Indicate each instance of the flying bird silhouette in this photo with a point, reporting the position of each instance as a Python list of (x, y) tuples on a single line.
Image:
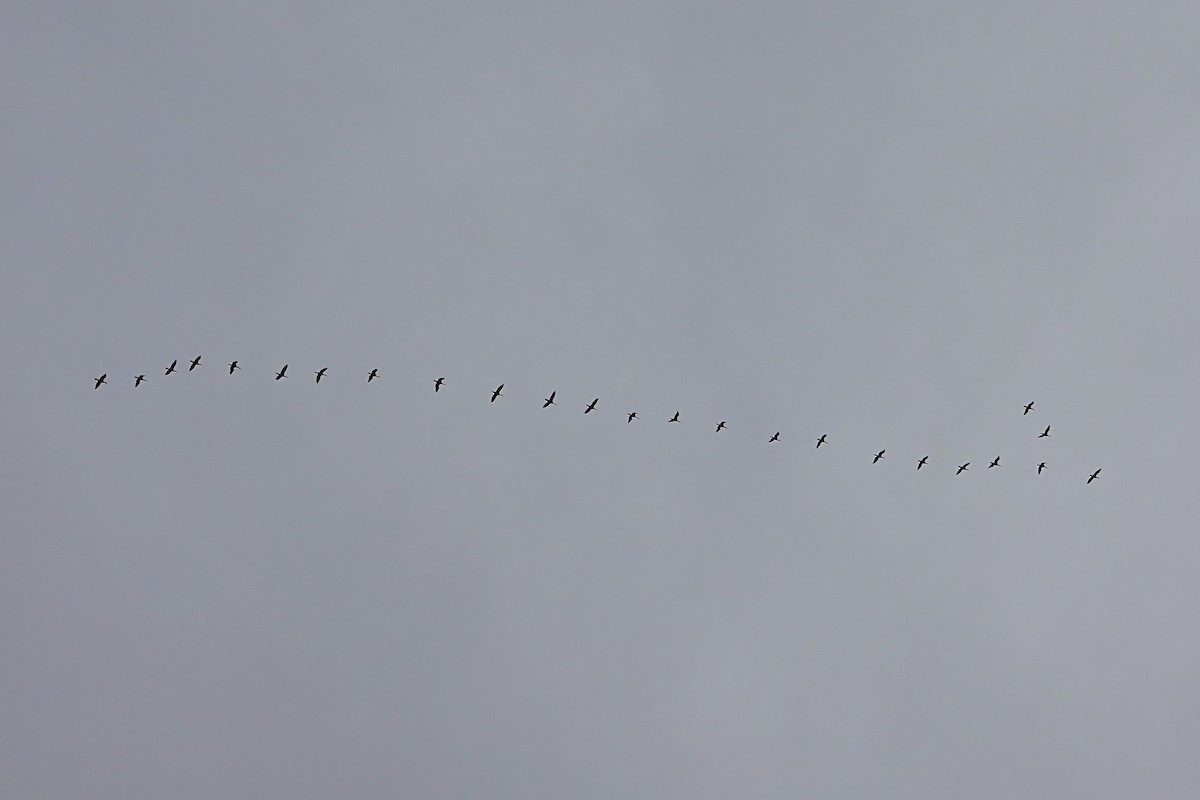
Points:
[(878, 456), (550, 400), (774, 438), (995, 462), (962, 468), (821, 441), (437, 385), (720, 425), (1028, 408), (282, 373), (195, 363), (1095, 475), (137, 381), (101, 380), (1041, 467), (171, 368), (921, 463), (496, 393), (591, 406), (1044, 434), (373, 374), (674, 418), (632, 417), (320, 373), (232, 366)]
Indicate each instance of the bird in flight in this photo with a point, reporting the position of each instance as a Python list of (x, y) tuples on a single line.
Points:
[(962, 468), (373, 374), (1044, 434), (195, 363), (921, 463), (1041, 467), (232, 366), (674, 418), (138, 380), (437, 385), (282, 373), (995, 462), (550, 400), (171, 368), (496, 393), (878, 456), (320, 373), (720, 425), (101, 381), (821, 441), (632, 417), (1028, 408), (774, 438), (1095, 475), (591, 406)]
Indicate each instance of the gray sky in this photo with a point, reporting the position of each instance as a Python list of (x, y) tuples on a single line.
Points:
[(892, 225)]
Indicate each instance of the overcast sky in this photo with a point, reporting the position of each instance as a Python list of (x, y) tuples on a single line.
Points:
[(895, 224)]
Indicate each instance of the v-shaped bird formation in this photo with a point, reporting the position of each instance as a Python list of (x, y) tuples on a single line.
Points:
[(630, 416)]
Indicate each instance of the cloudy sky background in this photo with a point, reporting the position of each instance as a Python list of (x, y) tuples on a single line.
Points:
[(892, 225)]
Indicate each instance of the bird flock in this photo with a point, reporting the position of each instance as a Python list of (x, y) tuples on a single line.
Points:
[(498, 392)]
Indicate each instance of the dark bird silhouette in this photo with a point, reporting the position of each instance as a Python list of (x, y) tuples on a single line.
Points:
[(496, 393), (101, 380), (195, 363), (774, 438), (550, 400), (878, 456), (591, 406), (674, 418), (137, 381), (1041, 467), (437, 385), (1044, 434), (1095, 475), (963, 468), (320, 373), (821, 441), (171, 368), (921, 463), (1028, 408), (373, 374), (632, 417), (720, 425), (282, 373), (232, 366), (995, 462)]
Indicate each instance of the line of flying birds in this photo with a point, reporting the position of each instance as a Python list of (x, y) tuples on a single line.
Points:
[(138, 380)]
